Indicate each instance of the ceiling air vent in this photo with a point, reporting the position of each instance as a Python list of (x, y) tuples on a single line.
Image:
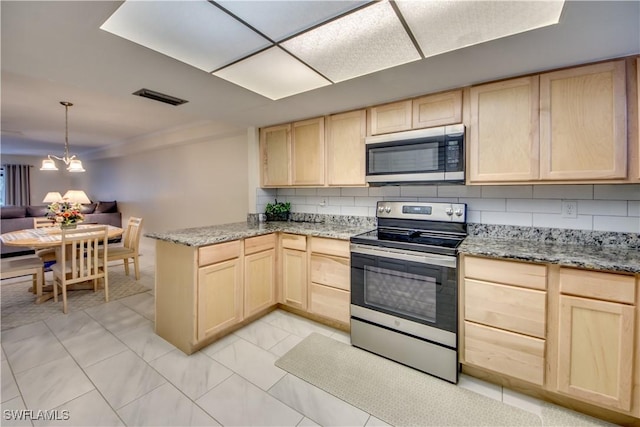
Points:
[(157, 96)]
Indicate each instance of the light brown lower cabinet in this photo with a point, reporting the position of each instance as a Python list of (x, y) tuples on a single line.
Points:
[(203, 293), (219, 297), (330, 279), (595, 338), (293, 278), (505, 318), (574, 339), (259, 281)]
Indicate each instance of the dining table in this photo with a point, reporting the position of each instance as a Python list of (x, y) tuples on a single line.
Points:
[(50, 237)]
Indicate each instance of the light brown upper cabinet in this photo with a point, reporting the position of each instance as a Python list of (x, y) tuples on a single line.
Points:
[(275, 148), (302, 154), (583, 123), (503, 139), (345, 148), (389, 118), (564, 126), (437, 110), (307, 152), (427, 111)]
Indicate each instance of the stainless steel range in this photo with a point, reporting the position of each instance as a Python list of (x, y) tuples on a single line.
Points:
[(404, 285)]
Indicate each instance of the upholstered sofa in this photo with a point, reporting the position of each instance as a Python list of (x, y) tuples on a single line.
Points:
[(14, 218)]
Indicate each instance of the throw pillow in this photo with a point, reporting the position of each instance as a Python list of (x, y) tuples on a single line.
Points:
[(107, 207), (37, 211), (88, 208)]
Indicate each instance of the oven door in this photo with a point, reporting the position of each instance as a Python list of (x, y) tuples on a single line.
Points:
[(389, 283)]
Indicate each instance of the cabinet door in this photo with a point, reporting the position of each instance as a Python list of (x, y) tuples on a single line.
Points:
[(595, 351), (219, 297), (275, 156), (294, 278), (345, 148), (307, 152), (388, 118), (259, 281), (583, 124), (503, 139), (437, 110)]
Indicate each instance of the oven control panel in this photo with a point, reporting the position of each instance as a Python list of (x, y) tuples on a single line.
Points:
[(453, 212)]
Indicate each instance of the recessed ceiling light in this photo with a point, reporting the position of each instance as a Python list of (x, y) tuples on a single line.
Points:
[(273, 73), (280, 19), (367, 40), (443, 26), (195, 32)]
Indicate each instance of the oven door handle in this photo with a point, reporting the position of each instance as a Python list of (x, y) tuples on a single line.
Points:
[(418, 257)]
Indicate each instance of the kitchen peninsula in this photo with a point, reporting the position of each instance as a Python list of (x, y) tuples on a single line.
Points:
[(212, 280)]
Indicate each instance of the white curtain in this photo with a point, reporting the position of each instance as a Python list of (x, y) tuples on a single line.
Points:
[(17, 185)]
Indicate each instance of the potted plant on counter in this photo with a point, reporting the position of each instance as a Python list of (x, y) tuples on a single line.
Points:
[(278, 211)]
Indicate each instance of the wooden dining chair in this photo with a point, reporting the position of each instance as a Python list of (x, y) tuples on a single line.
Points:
[(129, 249), (24, 266), (47, 255), (78, 260)]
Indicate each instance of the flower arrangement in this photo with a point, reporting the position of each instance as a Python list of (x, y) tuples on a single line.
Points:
[(65, 213)]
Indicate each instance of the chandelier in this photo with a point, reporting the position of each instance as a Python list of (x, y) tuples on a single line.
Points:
[(73, 164)]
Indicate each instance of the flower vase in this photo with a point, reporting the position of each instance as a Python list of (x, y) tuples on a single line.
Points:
[(69, 226)]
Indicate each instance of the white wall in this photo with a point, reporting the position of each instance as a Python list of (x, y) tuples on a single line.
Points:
[(600, 207), (44, 181), (179, 186)]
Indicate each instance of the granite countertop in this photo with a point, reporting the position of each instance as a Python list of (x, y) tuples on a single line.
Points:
[(610, 258), (203, 236)]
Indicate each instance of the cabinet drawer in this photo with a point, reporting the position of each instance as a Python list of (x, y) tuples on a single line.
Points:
[(512, 354), (329, 302), (294, 241), (598, 285), (331, 271), (220, 252), (259, 243), (515, 273), (506, 307), (330, 247)]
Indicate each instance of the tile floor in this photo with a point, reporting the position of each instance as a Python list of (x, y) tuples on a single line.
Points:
[(104, 366)]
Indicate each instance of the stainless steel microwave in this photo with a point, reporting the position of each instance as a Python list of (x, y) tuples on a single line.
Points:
[(416, 156)]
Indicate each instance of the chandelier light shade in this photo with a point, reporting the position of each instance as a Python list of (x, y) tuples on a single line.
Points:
[(52, 197), (73, 164), (77, 196)]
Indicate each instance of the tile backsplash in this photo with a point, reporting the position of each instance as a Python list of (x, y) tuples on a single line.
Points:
[(599, 207)]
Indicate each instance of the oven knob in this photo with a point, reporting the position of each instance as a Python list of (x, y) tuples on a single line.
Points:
[(387, 209), (380, 209), (459, 212), (449, 211)]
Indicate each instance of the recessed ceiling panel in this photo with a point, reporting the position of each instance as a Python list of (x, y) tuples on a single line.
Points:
[(365, 41), (445, 25), (281, 19), (195, 32), (273, 73)]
